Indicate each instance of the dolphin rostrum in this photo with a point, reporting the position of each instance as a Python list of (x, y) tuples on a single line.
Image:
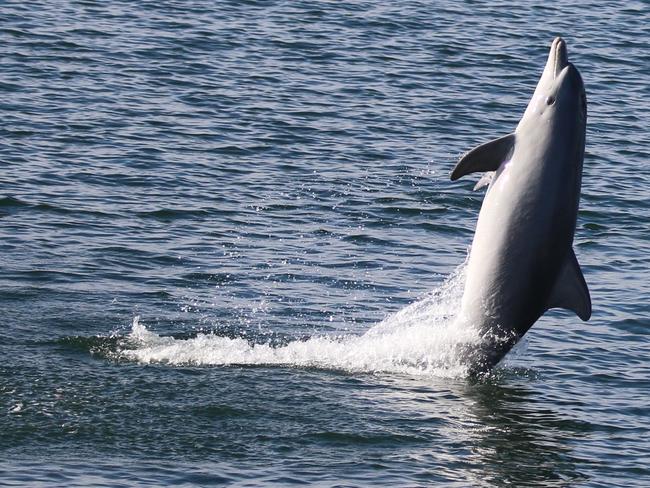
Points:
[(521, 262)]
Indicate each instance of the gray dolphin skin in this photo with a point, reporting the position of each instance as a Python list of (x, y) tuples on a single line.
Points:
[(521, 262)]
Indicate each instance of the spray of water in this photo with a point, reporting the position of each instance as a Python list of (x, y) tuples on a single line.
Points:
[(422, 339)]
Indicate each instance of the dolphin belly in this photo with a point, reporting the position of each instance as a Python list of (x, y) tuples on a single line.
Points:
[(514, 263)]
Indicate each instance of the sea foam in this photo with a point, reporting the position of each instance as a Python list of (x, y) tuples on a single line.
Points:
[(424, 338)]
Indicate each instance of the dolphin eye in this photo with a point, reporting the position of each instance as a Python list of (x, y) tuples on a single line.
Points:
[(550, 100)]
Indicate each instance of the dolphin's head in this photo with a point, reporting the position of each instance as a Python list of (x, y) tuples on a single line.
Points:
[(560, 95)]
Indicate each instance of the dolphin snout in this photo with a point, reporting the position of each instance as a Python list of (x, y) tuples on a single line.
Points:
[(558, 58)]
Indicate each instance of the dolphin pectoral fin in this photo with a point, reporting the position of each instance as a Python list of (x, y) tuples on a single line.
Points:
[(486, 157), (570, 291), (485, 180)]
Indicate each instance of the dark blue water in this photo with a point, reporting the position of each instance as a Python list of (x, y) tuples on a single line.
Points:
[(210, 214)]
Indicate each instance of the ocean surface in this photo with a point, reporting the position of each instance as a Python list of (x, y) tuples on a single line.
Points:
[(231, 253)]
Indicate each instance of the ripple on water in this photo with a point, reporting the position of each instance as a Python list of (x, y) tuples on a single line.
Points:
[(276, 175)]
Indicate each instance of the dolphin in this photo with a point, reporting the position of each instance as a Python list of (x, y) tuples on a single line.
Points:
[(521, 262)]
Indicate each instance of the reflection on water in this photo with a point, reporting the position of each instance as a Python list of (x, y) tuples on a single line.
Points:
[(496, 432), (522, 441)]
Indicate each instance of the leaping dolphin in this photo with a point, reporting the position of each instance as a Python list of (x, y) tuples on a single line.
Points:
[(521, 262)]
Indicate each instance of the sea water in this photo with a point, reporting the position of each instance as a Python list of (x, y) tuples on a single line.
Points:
[(232, 255)]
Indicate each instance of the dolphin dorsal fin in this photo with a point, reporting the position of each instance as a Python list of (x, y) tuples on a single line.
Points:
[(570, 291), (486, 157)]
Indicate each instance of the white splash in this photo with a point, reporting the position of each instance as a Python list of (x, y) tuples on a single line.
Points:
[(422, 339)]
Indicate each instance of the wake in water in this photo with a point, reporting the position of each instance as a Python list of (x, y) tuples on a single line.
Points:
[(422, 339)]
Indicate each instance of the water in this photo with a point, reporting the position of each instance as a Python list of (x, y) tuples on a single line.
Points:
[(231, 253)]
